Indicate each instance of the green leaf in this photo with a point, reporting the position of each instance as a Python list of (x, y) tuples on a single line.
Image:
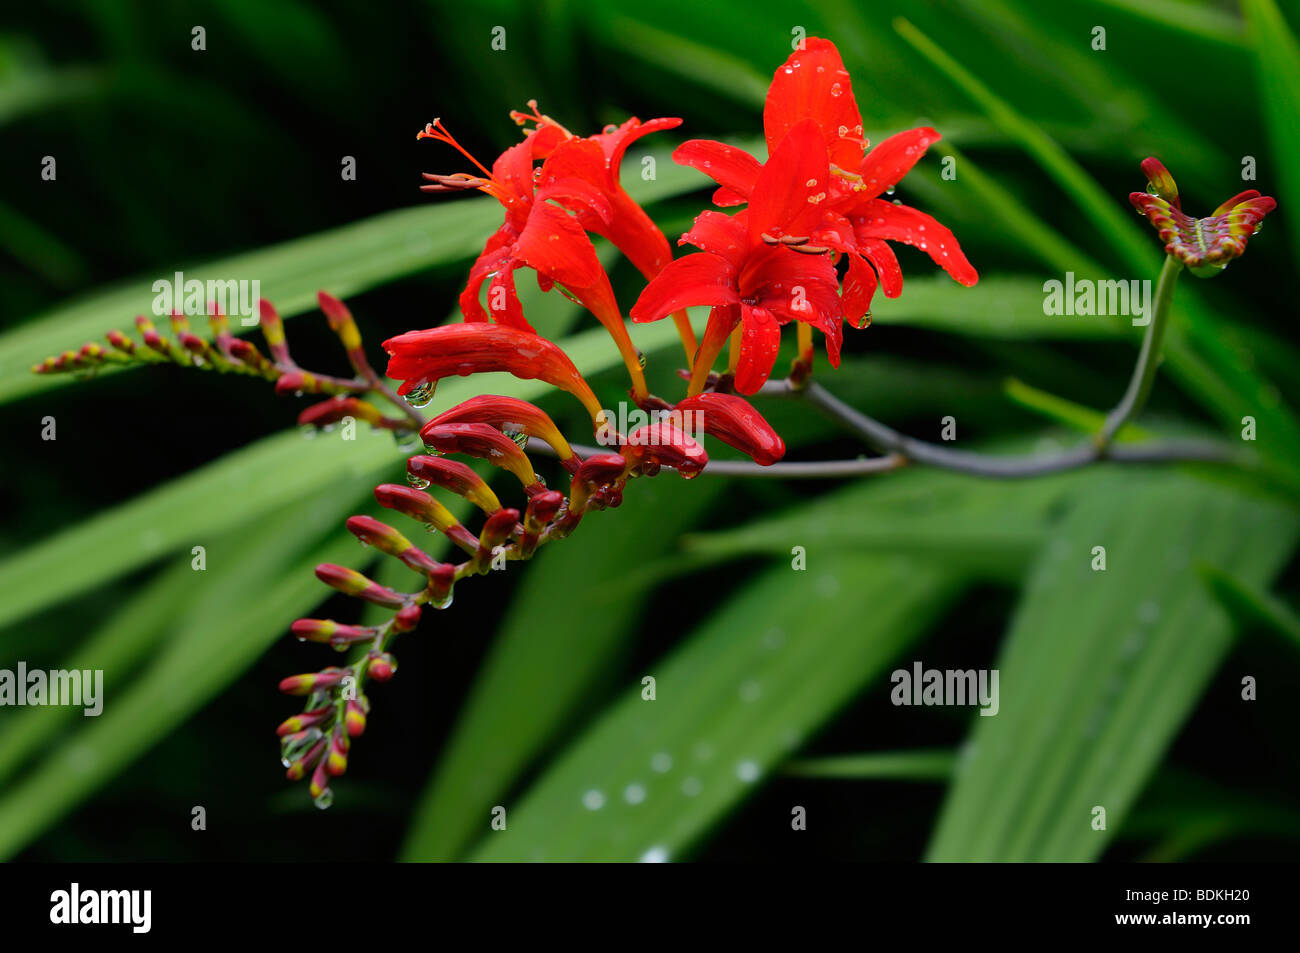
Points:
[(1277, 56), (547, 659), (651, 778), (935, 764), (1101, 668), (1251, 606), (986, 528)]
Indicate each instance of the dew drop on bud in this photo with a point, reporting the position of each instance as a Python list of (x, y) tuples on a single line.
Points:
[(422, 394), (418, 482), (519, 437), (889, 191), (324, 799)]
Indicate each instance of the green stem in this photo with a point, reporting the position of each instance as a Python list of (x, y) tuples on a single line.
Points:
[(1144, 373)]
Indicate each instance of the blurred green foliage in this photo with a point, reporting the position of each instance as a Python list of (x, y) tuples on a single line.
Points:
[(1120, 688)]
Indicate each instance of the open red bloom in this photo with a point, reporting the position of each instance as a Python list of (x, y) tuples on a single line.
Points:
[(813, 85), (753, 269), (549, 211)]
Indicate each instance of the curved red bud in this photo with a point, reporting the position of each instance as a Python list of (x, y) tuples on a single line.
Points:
[(336, 408), (353, 583), (305, 684), (421, 506), (425, 357), (735, 422), (509, 415), (482, 441), (454, 476), (662, 444), (598, 471), (384, 538)]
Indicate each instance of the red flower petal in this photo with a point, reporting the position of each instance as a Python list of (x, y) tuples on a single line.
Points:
[(884, 260), (794, 182), (884, 166), (859, 287), (721, 235), (699, 279), (760, 339), (813, 84), (733, 169), (899, 223)]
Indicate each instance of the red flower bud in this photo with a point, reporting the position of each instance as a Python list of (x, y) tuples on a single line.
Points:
[(303, 721), (382, 666), (421, 506), (510, 415), (407, 619), (353, 583), (455, 476), (440, 585), (388, 540), (661, 444), (336, 408), (483, 441), (355, 717), (329, 632), (305, 684), (735, 422), (424, 357)]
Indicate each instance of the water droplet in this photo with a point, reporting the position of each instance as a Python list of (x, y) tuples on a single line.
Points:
[(324, 799), (593, 800), (836, 90), (408, 441), (747, 771), (520, 438), (657, 855), (691, 787), (661, 763), (421, 394), (634, 794), (610, 129), (432, 450), (419, 482), (889, 191), (285, 761)]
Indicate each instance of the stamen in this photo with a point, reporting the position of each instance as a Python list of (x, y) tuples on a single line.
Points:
[(541, 119), (437, 131)]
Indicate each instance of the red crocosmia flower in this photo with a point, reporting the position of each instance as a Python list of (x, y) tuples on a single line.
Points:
[(735, 422), (511, 182), (1204, 245), (813, 85), (753, 268), (595, 160), (421, 358), (581, 177)]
